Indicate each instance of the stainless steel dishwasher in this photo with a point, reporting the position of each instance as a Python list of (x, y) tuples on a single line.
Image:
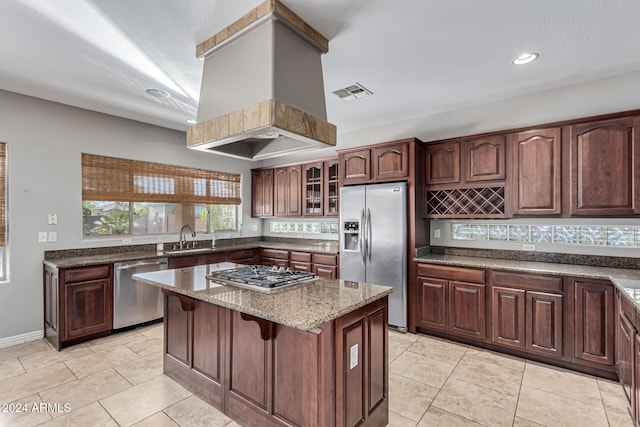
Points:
[(135, 302)]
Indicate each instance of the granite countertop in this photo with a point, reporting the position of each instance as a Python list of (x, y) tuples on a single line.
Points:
[(81, 261), (627, 280), (304, 306)]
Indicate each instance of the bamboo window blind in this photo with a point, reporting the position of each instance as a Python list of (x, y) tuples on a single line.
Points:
[(120, 180), (3, 193)]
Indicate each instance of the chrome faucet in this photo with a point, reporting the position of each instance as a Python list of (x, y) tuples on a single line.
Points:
[(183, 241)]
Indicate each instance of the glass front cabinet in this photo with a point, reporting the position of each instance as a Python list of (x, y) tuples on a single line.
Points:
[(313, 197)]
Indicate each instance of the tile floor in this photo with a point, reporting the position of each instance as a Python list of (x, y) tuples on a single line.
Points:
[(117, 380)]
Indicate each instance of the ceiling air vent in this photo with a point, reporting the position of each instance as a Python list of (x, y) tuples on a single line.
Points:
[(352, 92)]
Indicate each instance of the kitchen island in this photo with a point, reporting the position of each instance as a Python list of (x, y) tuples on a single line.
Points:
[(312, 354)]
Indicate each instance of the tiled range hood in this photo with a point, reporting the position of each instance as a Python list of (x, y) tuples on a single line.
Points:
[(262, 92)]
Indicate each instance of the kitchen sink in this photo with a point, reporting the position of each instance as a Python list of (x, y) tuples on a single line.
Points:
[(186, 251)]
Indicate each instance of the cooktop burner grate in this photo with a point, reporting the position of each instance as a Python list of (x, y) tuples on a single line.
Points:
[(261, 277)]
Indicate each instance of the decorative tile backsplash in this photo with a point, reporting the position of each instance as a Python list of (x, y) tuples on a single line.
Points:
[(584, 235), (303, 227)]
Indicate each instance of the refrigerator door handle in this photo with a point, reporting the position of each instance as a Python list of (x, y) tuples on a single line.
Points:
[(369, 234), (362, 240)]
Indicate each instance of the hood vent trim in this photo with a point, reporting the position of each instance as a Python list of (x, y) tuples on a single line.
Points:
[(256, 112)]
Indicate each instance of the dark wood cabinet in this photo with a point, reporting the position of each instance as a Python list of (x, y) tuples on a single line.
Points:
[(527, 312), (448, 302), (325, 265), (355, 166), (183, 261), (625, 349), (605, 167), (244, 256), (384, 162), (484, 159), (263, 373), (312, 187), (331, 187), (390, 162), (594, 320), (300, 261), (287, 191), (78, 303), (277, 257), (536, 161), (262, 193), (442, 163)]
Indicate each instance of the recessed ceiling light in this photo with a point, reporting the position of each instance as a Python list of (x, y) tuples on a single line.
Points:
[(158, 93), (525, 58), (191, 121)]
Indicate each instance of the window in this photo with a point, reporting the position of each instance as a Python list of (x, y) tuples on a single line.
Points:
[(3, 211), (126, 197)]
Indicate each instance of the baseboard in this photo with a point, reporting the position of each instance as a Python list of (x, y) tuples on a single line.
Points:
[(19, 339)]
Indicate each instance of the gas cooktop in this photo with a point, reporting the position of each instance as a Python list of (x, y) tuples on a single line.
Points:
[(260, 278)]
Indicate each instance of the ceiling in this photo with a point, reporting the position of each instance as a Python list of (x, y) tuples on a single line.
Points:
[(418, 57)]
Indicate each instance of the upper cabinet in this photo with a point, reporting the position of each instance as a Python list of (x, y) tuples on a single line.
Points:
[(331, 188), (443, 163), (536, 173), (287, 191), (484, 159), (262, 192), (377, 163), (308, 189), (605, 167)]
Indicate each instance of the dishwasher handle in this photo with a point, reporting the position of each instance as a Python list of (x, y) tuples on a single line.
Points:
[(140, 264)]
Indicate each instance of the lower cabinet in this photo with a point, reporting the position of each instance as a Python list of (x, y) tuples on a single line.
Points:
[(78, 304), (275, 257), (262, 373), (594, 320), (453, 306), (527, 312), (628, 352), (325, 265)]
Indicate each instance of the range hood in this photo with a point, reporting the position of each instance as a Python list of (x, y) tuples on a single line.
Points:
[(262, 93)]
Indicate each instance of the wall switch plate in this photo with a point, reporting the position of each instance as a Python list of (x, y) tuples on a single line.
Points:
[(127, 241), (528, 247), (436, 233), (42, 237), (52, 219), (53, 236), (353, 356)]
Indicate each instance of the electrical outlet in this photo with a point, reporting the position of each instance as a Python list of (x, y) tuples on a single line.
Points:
[(528, 247), (42, 237), (436, 233), (52, 219), (127, 241)]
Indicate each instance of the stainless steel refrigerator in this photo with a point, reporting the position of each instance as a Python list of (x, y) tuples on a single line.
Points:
[(373, 241)]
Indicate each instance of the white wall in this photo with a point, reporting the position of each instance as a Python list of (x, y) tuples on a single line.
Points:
[(45, 140)]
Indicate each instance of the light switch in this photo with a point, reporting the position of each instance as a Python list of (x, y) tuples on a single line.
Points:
[(436, 233), (52, 219), (53, 236), (353, 356), (42, 237)]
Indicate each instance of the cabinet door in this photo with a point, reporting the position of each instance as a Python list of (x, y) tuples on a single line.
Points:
[(280, 192), (262, 193), (624, 353), (605, 174), (331, 188), (432, 303), (390, 162), (183, 261), (536, 171), (467, 309), (594, 322), (484, 159), (88, 307), (326, 271), (544, 323), (300, 266), (508, 316), (442, 163), (294, 196), (355, 166), (635, 398), (312, 188)]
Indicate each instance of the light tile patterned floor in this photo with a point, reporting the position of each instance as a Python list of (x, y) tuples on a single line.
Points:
[(117, 380)]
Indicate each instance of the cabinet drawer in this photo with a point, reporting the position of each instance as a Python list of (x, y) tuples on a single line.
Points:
[(84, 274), (300, 266), (275, 253), (325, 259), (528, 281), (212, 258), (300, 256), (451, 273)]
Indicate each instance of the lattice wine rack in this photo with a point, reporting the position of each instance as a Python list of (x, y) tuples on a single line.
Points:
[(488, 202)]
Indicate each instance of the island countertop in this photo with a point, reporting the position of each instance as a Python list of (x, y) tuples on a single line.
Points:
[(304, 306)]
